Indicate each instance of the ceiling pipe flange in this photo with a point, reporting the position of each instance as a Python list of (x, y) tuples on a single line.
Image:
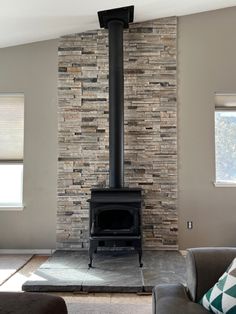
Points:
[(124, 14)]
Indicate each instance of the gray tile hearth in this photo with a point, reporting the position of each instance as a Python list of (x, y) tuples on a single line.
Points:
[(111, 272)]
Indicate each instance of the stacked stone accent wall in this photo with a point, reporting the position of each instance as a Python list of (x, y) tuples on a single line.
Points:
[(150, 129)]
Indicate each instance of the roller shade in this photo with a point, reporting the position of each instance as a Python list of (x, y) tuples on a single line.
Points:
[(11, 127), (225, 101)]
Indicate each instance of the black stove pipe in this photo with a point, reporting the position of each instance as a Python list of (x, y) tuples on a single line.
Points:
[(115, 20), (116, 104)]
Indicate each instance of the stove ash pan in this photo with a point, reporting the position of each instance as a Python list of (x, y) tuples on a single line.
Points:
[(115, 218)]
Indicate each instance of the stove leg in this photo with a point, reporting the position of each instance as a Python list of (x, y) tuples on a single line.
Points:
[(138, 248), (140, 257), (93, 244), (90, 257), (91, 251)]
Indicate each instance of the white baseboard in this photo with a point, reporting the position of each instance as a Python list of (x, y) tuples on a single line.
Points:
[(28, 251)]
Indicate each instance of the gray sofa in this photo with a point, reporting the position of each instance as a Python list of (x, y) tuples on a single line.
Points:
[(204, 267), (31, 303)]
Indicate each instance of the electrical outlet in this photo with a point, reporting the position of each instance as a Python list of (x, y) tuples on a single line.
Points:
[(189, 224)]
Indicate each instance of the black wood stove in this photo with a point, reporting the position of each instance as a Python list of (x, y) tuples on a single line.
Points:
[(115, 212), (115, 219)]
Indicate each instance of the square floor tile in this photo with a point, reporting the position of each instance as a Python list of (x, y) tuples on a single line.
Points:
[(113, 280), (56, 280), (67, 259)]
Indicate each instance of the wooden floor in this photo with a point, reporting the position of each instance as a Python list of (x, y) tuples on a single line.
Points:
[(14, 283)]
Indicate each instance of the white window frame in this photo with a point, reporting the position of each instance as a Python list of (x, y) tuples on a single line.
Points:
[(14, 206), (223, 102)]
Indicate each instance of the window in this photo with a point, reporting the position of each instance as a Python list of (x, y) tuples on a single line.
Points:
[(225, 139), (11, 150)]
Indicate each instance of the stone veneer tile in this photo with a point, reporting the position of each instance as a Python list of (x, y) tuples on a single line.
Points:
[(150, 128)]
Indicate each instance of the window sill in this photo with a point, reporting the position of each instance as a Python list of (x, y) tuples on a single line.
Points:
[(12, 208), (224, 184)]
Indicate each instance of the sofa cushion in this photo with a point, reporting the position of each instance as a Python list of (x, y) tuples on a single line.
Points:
[(221, 298)]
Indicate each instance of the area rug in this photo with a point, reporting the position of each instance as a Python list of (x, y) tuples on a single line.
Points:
[(10, 264), (111, 272), (98, 308)]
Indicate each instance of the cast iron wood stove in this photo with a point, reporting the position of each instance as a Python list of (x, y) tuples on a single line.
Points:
[(115, 219), (115, 212)]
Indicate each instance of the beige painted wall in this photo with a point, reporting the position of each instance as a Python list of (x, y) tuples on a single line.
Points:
[(207, 63), (32, 69)]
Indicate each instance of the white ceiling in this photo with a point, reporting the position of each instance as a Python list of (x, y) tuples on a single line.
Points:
[(25, 21)]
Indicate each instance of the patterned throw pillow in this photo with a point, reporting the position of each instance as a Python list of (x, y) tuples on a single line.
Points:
[(221, 298)]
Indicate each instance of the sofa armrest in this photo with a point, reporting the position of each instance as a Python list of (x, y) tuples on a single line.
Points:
[(31, 302), (173, 299), (205, 266)]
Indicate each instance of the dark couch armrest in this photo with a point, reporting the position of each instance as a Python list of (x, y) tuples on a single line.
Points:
[(173, 299), (31, 302), (205, 266)]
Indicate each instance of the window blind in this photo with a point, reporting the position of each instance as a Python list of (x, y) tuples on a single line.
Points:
[(225, 101), (11, 127)]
